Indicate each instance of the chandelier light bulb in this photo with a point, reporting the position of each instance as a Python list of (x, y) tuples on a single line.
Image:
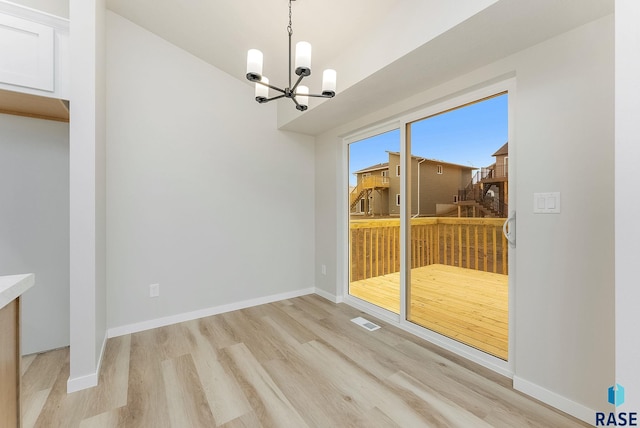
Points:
[(303, 58), (254, 64), (329, 77)]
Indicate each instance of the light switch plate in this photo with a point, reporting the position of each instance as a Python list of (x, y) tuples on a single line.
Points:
[(546, 203), (154, 290)]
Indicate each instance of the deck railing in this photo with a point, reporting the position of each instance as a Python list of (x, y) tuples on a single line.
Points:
[(473, 243)]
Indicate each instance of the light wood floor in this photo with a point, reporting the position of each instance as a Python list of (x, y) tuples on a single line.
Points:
[(467, 305), (295, 363)]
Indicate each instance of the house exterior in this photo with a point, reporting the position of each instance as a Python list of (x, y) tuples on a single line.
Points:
[(501, 165), (371, 193), (488, 193), (434, 187), (434, 184), (497, 181)]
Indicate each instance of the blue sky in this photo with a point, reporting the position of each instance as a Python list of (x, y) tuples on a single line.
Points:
[(466, 136)]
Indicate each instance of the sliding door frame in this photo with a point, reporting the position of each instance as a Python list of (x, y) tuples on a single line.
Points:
[(402, 122), (367, 307)]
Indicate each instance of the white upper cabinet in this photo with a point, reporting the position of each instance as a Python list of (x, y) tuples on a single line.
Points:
[(26, 49), (34, 52)]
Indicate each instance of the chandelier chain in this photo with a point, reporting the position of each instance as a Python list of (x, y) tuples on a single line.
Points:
[(290, 26)]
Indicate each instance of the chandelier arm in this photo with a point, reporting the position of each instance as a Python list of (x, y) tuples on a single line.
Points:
[(262, 101), (297, 83), (275, 88), (319, 95)]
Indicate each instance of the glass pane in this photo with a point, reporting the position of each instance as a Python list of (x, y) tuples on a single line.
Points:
[(374, 223), (459, 188)]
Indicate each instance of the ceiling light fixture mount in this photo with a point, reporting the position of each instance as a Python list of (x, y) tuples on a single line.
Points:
[(299, 94)]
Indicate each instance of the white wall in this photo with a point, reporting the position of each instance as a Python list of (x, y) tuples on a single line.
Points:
[(87, 193), (100, 112), (54, 7), (564, 267), (34, 224), (627, 158), (204, 195)]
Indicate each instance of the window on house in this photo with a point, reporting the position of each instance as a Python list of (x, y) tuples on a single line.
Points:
[(385, 173), (455, 199), (397, 170), (398, 199), (439, 169)]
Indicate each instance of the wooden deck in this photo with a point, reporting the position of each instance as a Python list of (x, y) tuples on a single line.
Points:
[(467, 305)]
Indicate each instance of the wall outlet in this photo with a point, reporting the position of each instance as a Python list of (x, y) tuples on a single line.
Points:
[(323, 269), (154, 290)]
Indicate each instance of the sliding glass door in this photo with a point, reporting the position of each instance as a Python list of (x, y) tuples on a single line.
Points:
[(439, 193), (374, 222), (459, 256)]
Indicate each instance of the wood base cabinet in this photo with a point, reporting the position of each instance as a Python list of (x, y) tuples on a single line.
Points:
[(10, 364)]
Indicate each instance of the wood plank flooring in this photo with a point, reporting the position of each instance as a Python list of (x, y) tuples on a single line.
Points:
[(467, 305), (294, 363)]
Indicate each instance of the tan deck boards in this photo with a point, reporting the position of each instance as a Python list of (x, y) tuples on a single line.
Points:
[(294, 363), (467, 305)]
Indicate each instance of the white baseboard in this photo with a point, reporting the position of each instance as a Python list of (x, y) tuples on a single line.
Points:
[(201, 313), (325, 294), (555, 400), (82, 382), (90, 380)]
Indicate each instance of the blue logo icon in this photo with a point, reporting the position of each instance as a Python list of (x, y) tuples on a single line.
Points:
[(616, 395)]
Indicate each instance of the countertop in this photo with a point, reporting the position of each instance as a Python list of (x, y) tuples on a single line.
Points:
[(12, 286)]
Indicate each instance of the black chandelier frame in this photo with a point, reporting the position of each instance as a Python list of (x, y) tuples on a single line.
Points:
[(290, 91)]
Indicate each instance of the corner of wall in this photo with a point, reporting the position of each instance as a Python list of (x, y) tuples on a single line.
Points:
[(551, 398), (90, 380), (329, 296)]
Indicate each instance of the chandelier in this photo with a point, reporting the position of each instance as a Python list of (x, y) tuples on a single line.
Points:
[(299, 94)]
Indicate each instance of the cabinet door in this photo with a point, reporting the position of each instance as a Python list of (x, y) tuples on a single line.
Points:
[(26, 53)]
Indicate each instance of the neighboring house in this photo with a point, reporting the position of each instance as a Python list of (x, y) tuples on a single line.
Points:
[(434, 187), (487, 195), (497, 181), (500, 169), (371, 193)]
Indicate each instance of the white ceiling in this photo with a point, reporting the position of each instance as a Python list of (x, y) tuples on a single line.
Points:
[(221, 32)]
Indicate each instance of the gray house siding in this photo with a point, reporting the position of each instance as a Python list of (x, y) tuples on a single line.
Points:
[(433, 188), (440, 188), (394, 184)]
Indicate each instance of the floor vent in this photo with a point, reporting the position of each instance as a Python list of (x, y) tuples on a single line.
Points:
[(365, 324)]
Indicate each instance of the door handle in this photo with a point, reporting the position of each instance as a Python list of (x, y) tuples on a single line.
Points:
[(508, 230)]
